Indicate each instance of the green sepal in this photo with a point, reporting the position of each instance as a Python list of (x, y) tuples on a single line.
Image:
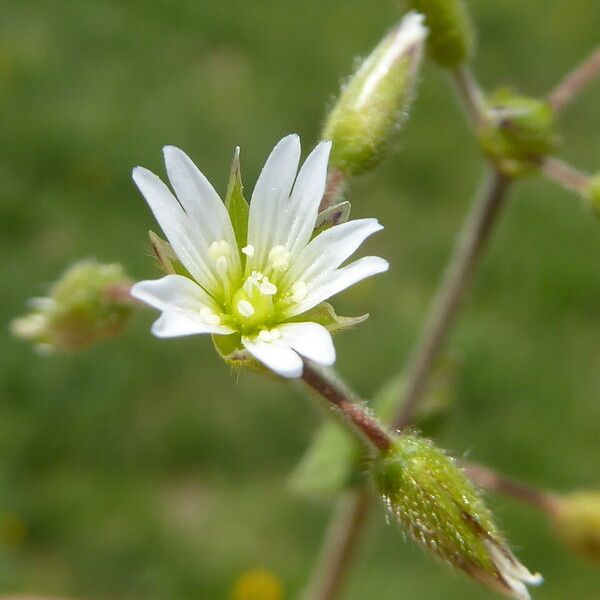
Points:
[(334, 460), (519, 132), (334, 215), (236, 204), (324, 314), (167, 260)]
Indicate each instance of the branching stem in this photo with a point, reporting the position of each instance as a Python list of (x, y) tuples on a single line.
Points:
[(451, 292), (565, 175), (574, 82)]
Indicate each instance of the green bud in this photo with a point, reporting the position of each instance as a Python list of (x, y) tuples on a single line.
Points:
[(593, 193), (577, 521), (89, 303), (451, 37), (432, 499), (371, 106), (519, 132)]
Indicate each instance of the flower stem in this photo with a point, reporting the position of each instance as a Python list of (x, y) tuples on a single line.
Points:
[(565, 175), (470, 95), (349, 405), (574, 82), (491, 480), (451, 291), (341, 537)]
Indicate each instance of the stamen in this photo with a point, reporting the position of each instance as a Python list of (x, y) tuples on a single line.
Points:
[(268, 336), (267, 288), (209, 317), (279, 257), (245, 308), (218, 249), (248, 250), (299, 291)]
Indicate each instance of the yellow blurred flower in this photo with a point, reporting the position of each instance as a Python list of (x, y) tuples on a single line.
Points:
[(257, 585)]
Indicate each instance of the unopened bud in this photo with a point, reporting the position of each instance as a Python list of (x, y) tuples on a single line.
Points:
[(577, 521), (89, 303), (371, 106), (451, 37), (432, 499), (518, 133)]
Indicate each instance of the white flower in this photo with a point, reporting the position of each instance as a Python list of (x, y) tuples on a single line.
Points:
[(256, 292)]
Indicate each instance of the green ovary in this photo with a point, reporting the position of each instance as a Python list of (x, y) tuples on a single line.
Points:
[(251, 307)]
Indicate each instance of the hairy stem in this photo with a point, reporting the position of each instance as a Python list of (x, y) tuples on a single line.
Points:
[(572, 85), (341, 537), (491, 480), (451, 292), (348, 404)]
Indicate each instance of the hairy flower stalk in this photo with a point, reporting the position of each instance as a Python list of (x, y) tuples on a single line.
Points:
[(256, 279), (441, 510)]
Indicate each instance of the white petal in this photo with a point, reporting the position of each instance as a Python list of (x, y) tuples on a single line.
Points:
[(174, 323), (311, 340), (339, 280), (176, 225), (200, 201), (329, 250), (173, 292), (299, 222), (270, 197), (276, 356)]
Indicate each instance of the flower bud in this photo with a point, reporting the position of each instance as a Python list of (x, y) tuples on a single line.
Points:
[(577, 521), (89, 303), (370, 108), (518, 133), (451, 37), (432, 499)]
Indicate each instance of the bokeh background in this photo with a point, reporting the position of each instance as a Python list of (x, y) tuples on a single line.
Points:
[(144, 468)]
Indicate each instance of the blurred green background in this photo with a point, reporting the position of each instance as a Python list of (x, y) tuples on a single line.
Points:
[(144, 468)]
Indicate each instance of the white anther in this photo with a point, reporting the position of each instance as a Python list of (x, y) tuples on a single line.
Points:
[(269, 336), (221, 265), (248, 250), (212, 319), (209, 317), (279, 257), (267, 288), (299, 291), (245, 308), (218, 249)]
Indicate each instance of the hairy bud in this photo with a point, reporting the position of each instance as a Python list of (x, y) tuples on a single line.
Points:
[(371, 106), (577, 520), (451, 37), (432, 499), (89, 303)]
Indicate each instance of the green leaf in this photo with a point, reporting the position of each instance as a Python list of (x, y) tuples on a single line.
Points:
[(328, 465), (236, 204), (325, 315), (334, 215)]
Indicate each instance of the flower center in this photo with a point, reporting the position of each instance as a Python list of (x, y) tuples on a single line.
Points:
[(252, 304)]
